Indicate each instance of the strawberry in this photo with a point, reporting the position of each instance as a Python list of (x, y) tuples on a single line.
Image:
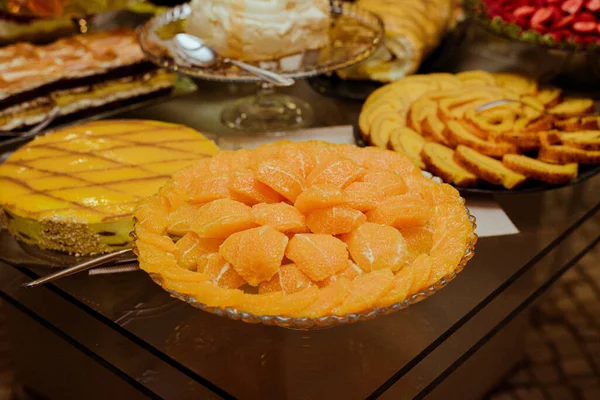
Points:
[(593, 5), (585, 26), (572, 6), (563, 22), (524, 11), (541, 16), (585, 17)]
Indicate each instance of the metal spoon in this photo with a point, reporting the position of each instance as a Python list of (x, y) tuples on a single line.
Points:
[(193, 50), (102, 260)]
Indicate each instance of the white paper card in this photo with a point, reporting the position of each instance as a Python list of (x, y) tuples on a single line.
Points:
[(491, 218), (333, 134)]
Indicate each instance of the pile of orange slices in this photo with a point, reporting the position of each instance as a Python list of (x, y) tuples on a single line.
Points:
[(302, 230)]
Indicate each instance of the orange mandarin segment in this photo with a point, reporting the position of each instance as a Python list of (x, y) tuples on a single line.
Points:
[(208, 293), (422, 267), (334, 220), (220, 272), (213, 188), (365, 291), (451, 235), (152, 214), (162, 242), (329, 297), (374, 247), (318, 256), (198, 171), (434, 193), (221, 218), (281, 177), (363, 196), (419, 240), (173, 194), (339, 172), (226, 161), (289, 280), (281, 216), (301, 159), (272, 285), (244, 187), (191, 247), (400, 289), (180, 220), (350, 273), (256, 253), (151, 254), (378, 159), (286, 305), (319, 196), (403, 211), (388, 182)]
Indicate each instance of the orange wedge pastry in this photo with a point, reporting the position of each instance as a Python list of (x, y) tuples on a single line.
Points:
[(352, 230), (74, 190)]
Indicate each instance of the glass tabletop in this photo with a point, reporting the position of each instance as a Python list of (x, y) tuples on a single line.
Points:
[(166, 348)]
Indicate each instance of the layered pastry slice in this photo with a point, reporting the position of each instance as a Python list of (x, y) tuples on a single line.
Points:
[(74, 190), (82, 73)]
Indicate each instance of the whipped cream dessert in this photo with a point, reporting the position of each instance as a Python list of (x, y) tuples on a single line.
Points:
[(256, 30)]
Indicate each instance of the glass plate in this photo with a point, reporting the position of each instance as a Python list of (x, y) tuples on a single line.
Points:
[(354, 35), (329, 321)]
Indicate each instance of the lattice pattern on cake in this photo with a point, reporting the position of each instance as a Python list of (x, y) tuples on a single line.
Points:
[(98, 171)]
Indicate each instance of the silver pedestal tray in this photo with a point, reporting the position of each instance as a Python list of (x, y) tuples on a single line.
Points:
[(354, 35)]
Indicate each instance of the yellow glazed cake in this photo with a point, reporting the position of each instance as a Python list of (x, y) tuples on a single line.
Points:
[(255, 30), (74, 190)]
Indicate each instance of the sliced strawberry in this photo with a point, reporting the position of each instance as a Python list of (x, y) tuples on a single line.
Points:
[(554, 1), (572, 6), (585, 17), (593, 5), (589, 39), (541, 16), (563, 33), (585, 27), (555, 36), (563, 22), (524, 11)]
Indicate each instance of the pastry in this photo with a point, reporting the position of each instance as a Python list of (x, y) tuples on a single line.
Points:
[(540, 170), (320, 230), (413, 29), (256, 30), (79, 74), (74, 190), (485, 117)]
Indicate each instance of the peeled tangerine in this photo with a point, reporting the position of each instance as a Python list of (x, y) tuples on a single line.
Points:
[(318, 256), (374, 246), (255, 253), (302, 230)]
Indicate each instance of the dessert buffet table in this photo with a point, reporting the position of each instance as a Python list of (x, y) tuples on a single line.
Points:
[(121, 335)]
